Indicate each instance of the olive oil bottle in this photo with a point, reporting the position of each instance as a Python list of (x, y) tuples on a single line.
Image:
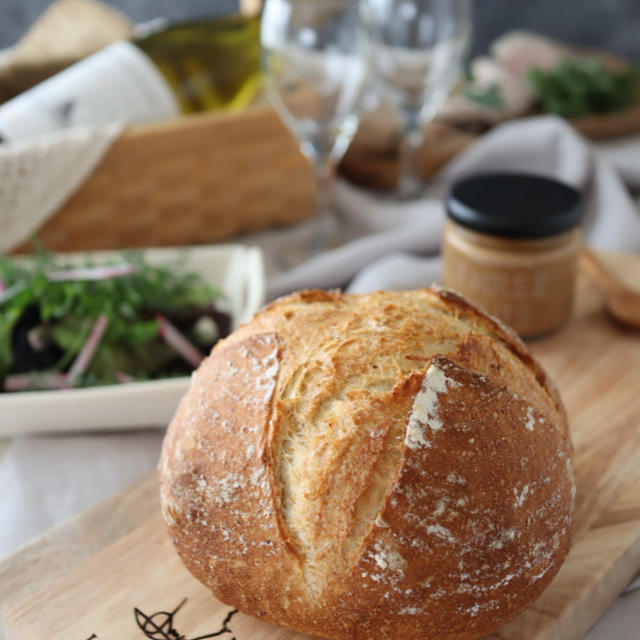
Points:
[(180, 68), (210, 64)]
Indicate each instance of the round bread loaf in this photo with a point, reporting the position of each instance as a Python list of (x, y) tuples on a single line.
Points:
[(392, 465)]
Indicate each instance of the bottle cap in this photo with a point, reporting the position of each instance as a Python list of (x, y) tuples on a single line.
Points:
[(514, 205)]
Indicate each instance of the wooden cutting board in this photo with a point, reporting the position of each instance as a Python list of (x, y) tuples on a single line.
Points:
[(112, 574)]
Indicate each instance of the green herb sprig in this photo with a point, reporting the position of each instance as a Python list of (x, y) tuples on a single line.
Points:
[(584, 86), (490, 97)]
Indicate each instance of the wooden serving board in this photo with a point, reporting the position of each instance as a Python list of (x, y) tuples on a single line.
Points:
[(112, 574)]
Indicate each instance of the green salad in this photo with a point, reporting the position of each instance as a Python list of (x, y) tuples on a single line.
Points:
[(64, 326), (582, 87), (572, 88)]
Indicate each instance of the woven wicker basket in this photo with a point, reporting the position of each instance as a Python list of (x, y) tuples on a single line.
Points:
[(208, 177), (191, 180)]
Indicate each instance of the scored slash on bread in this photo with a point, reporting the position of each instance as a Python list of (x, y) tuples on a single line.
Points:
[(394, 465)]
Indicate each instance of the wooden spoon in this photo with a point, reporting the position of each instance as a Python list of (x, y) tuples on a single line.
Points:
[(622, 302)]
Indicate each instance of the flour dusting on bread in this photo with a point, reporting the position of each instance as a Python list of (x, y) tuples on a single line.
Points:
[(425, 407)]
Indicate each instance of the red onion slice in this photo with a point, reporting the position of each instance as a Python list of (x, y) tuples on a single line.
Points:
[(84, 357), (178, 342), (91, 273)]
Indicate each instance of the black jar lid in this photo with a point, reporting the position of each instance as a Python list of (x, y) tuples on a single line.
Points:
[(514, 205)]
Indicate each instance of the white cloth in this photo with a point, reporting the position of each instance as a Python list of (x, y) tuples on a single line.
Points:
[(385, 245), (37, 176), (373, 226)]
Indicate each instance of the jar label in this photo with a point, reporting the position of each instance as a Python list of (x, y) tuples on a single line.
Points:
[(119, 82)]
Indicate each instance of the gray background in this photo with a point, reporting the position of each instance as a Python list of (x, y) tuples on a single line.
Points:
[(614, 24)]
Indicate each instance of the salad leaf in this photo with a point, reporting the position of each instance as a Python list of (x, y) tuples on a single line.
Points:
[(490, 97), (111, 359), (7, 322), (584, 86), (10, 313)]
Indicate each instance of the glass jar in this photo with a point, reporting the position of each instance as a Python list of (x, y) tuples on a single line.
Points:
[(511, 246)]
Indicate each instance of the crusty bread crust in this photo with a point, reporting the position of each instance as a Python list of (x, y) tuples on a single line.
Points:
[(393, 465)]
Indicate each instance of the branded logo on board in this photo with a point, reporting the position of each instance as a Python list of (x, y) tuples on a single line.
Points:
[(63, 113), (160, 625)]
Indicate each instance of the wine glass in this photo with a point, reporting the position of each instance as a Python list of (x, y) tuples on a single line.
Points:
[(315, 74), (416, 50)]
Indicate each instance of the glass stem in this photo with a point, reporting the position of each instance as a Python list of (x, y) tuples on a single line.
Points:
[(409, 181), (324, 218)]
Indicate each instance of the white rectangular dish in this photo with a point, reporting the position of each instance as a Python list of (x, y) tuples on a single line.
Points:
[(237, 270)]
